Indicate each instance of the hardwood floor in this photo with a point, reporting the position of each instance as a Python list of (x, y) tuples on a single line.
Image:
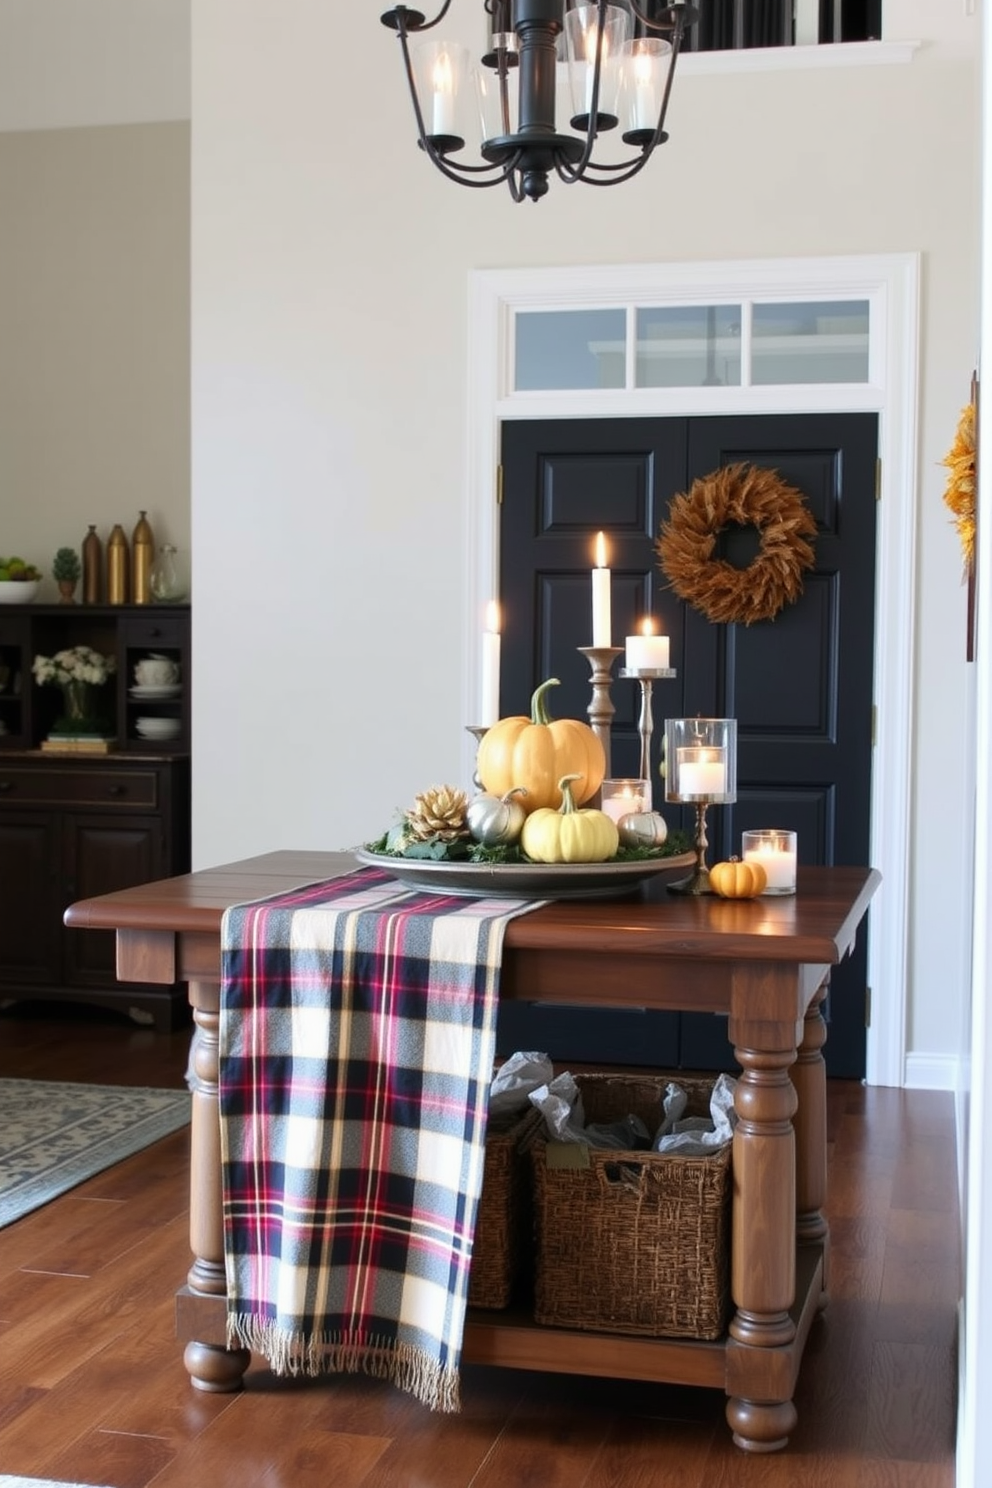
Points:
[(92, 1386)]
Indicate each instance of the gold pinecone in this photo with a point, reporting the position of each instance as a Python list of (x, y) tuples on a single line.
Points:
[(438, 815)]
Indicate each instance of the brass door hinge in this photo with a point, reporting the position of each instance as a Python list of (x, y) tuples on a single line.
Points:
[(499, 485), (874, 725), (878, 480), (867, 1007)]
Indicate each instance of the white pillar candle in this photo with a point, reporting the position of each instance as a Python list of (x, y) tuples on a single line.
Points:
[(647, 652), (779, 866), (489, 710), (602, 623), (701, 772)]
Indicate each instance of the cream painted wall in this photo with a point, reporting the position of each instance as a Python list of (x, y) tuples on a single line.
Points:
[(94, 335), (329, 305)]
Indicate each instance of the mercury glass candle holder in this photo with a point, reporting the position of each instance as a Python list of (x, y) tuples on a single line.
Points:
[(700, 770)]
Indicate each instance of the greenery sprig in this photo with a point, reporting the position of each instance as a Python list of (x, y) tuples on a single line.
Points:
[(392, 844)]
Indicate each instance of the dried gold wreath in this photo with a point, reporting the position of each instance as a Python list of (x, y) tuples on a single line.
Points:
[(959, 496), (749, 497)]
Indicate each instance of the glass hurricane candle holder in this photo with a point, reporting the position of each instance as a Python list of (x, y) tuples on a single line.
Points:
[(775, 850), (700, 766), (701, 760)]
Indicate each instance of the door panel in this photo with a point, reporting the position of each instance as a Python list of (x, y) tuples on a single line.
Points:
[(800, 685)]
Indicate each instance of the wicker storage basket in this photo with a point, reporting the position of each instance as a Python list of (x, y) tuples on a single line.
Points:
[(635, 1242), (504, 1224)]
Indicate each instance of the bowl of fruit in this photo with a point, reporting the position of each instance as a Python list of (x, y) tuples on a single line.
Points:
[(18, 581)]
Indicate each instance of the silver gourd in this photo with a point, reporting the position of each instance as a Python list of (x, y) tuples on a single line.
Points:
[(496, 821)]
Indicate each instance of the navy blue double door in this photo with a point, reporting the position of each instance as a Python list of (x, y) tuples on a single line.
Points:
[(800, 686)]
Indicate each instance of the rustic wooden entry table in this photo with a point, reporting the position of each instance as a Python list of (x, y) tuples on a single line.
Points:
[(765, 963)]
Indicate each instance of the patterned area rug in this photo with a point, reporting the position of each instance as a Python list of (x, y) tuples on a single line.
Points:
[(53, 1136), (6, 1482)]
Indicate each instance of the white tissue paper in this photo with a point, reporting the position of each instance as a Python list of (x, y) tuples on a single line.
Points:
[(514, 1081), (560, 1103), (696, 1136)]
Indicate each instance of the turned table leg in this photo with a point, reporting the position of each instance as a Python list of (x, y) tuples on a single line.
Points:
[(809, 1076), (211, 1365), (763, 1266)]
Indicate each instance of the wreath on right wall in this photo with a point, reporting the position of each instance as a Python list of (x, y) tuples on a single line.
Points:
[(959, 493), (747, 496)]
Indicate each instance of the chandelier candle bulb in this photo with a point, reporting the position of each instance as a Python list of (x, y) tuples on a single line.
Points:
[(602, 622), (646, 652), (443, 117), (490, 666), (775, 851), (645, 96), (619, 798)]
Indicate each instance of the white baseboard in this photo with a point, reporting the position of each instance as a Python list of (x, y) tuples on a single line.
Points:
[(932, 1072)]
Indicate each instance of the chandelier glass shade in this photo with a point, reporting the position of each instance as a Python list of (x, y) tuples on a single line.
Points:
[(620, 63)]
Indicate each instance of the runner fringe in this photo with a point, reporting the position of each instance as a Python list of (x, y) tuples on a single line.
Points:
[(409, 1368)]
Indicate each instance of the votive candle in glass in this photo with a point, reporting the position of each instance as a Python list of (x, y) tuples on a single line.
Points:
[(625, 797), (775, 849)]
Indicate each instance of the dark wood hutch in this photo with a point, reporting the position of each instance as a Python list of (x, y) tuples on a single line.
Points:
[(74, 824)]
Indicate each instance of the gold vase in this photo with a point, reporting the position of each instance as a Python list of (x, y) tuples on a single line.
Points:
[(117, 561), (92, 566), (142, 557)]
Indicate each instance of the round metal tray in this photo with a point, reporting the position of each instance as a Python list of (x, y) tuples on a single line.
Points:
[(528, 880)]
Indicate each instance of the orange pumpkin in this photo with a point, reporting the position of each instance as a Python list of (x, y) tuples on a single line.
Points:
[(737, 880), (536, 752)]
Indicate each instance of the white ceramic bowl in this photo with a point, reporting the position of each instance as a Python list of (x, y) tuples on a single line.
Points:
[(18, 591), (158, 728)]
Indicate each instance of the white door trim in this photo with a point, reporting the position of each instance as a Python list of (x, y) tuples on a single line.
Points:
[(891, 283)]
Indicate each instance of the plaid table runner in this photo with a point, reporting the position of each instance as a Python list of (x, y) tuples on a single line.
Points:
[(357, 1035)]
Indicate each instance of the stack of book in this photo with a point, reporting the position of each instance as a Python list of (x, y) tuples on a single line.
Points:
[(77, 744)]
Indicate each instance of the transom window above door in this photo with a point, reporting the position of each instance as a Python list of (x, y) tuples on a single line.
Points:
[(737, 344)]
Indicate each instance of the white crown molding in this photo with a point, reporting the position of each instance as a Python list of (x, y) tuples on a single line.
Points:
[(799, 58)]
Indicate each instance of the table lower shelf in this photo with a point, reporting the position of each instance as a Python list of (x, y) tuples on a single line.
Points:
[(512, 1340)]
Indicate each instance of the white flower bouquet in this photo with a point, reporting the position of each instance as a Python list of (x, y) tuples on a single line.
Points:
[(77, 664)]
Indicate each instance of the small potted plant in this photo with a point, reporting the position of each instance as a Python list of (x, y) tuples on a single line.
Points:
[(65, 571)]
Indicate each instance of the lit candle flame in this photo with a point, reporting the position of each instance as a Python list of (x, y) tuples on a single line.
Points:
[(601, 550), (492, 617)]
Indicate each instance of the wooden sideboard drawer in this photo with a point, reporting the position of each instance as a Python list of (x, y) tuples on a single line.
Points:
[(153, 633), (78, 786)]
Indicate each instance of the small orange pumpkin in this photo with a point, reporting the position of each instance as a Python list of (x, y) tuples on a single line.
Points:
[(737, 880)]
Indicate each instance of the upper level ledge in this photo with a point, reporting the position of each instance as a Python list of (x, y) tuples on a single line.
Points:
[(789, 58)]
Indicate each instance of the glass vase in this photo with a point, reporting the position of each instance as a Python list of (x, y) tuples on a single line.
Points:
[(165, 582), (77, 705)]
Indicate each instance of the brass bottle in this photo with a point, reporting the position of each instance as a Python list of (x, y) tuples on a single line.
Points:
[(117, 564), (92, 566), (142, 558)]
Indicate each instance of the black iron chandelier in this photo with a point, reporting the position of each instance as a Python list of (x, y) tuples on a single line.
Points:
[(620, 60)]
